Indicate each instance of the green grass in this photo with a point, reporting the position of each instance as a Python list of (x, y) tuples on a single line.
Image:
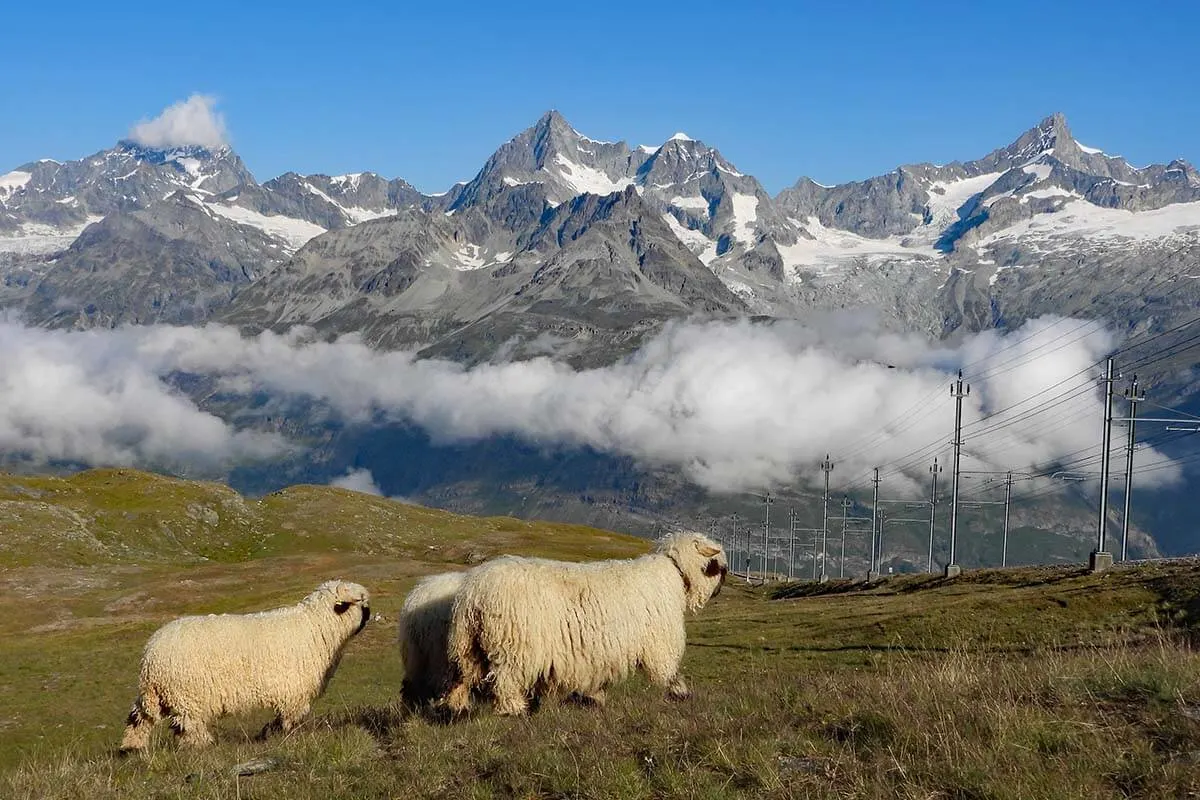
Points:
[(1030, 683)]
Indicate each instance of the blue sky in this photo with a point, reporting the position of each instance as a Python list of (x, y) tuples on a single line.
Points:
[(831, 90)]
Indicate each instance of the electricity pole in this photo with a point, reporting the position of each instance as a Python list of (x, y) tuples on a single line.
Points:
[(791, 540), (1102, 560), (736, 539), (958, 392), (934, 470), (871, 571), (1007, 506), (826, 467), (766, 534), (842, 559), (1132, 395)]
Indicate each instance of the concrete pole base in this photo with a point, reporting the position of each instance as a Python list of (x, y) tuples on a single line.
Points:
[(823, 579), (872, 575), (953, 570), (1099, 561)]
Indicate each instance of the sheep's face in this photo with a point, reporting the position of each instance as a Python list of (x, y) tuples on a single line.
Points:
[(701, 563), (348, 599)]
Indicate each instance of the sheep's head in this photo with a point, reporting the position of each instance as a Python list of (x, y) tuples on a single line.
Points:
[(701, 563), (344, 597)]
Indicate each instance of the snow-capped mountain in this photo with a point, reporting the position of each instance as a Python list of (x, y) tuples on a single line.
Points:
[(927, 247), (175, 230), (59, 195)]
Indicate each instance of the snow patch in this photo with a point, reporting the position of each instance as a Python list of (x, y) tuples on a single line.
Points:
[(14, 181), (681, 137), (1042, 171), (1053, 191), (583, 179), (830, 248), (690, 203), (1080, 219), (694, 240), (190, 165), (739, 288), (649, 149), (291, 233), (356, 214), (1089, 150), (348, 182), (728, 170), (35, 238), (468, 257), (947, 197), (745, 214)]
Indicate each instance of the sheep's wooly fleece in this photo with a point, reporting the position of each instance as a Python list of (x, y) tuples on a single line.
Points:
[(527, 624), (423, 628), (196, 669)]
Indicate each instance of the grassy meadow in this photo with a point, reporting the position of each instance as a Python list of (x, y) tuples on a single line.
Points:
[(1029, 683)]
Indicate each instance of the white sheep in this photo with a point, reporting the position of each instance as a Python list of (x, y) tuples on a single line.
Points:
[(527, 625), (422, 630), (196, 669)]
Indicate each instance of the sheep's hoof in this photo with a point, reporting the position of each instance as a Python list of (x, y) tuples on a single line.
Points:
[(679, 691), (512, 708), (594, 700), (459, 699)]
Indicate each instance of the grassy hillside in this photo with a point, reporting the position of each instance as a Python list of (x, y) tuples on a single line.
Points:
[(117, 516), (1019, 684)]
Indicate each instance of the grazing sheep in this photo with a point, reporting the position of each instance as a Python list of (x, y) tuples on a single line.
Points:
[(423, 628), (196, 669), (525, 625)]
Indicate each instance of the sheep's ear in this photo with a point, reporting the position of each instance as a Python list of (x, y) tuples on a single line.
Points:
[(708, 551), (341, 608), (346, 594)]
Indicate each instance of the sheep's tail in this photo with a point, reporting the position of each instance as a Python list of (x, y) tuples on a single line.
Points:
[(145, 714), (468, 661)]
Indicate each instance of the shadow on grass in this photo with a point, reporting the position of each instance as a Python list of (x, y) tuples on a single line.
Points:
[(1016, 578)]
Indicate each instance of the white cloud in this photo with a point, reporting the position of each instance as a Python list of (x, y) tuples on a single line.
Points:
[(85, 397), (189, 122), (358, 480), (735, 405)]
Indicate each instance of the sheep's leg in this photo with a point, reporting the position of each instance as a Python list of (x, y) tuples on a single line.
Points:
[(458, 700), (597, 698), (140, 724), (287, 719), (469, 672), (665, 672), (510, 694), (290, 718), (677, 689), (191, 732)]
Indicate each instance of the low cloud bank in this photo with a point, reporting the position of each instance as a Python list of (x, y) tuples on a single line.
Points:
[(735, 405)]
